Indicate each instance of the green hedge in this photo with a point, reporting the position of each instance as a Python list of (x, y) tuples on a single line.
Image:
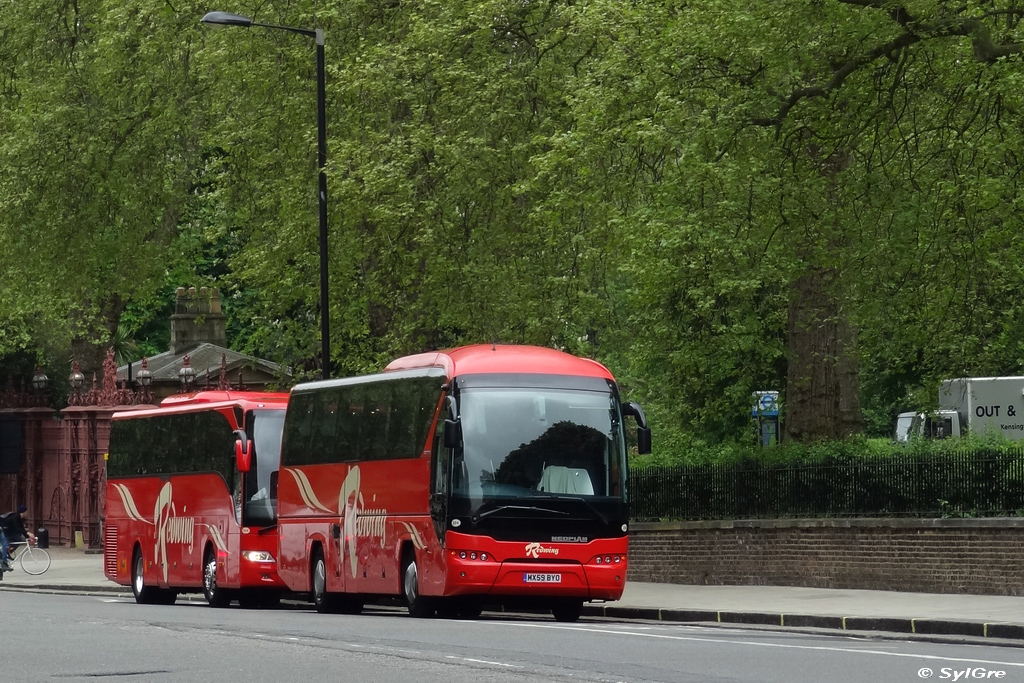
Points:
[(837, 480)]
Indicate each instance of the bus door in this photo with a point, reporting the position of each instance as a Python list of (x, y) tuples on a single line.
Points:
[(440, 471), (257, 493)]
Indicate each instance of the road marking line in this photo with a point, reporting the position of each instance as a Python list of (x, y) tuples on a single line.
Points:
[(484, 661)]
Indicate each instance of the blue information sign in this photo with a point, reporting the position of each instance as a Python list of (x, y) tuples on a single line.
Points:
[(766, 404)]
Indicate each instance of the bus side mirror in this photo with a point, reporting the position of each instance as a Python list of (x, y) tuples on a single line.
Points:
[(643, 432), (643, 440), (452, 433), (243, 451), (452, 425)]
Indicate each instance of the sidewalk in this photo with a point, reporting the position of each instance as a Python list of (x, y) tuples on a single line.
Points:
[(923, 614), (70, 570), (980, 616)]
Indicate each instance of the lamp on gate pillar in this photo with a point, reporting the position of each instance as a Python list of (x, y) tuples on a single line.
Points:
[(39, 382), (77, 381), (229, 19), (145, 380), (187, 375)]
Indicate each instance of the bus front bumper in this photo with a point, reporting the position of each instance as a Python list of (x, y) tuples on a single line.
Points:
[(524, 579)]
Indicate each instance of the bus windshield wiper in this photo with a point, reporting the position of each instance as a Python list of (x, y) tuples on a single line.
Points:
[(579, 499), (531, 508)]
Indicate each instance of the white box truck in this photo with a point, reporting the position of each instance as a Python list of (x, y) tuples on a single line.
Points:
[(986, 406), (983, 406)]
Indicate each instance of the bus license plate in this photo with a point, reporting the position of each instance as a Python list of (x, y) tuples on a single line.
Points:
[(542, 578)]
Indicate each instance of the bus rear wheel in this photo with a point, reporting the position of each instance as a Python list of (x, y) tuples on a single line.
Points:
[(419, 605), (215, 595), (331, 603), (144, 595), (148, 595), (325, 603), (570, 610)]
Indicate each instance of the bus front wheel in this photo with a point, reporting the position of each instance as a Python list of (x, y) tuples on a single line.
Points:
[(419, 605), (215, 595)]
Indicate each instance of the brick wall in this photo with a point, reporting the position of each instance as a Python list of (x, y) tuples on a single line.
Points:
[(982, 556)]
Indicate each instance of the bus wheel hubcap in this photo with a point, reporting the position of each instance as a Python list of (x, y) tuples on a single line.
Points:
[(410, 582), (320, 579)]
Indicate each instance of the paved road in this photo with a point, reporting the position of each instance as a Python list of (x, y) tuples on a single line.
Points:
[(995, 618), (79, 638), (988, 617)]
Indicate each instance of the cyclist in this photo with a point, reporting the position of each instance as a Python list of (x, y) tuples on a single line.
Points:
[(12, 530)]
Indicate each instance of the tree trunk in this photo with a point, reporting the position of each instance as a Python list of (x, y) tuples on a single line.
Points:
[(822, 386)]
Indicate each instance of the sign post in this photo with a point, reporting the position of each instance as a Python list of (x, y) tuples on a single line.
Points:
[(765, 412)]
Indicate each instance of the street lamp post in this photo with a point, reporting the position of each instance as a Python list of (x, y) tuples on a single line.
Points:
[(228, 19)]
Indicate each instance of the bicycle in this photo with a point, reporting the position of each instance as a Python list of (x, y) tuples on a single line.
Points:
[(33, 559)]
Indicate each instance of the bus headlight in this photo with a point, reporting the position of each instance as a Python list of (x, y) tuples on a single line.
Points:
[(258, 556)]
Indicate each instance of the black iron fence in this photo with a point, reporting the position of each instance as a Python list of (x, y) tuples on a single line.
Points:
[(969, 484)]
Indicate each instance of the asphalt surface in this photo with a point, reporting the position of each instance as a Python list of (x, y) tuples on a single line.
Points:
[(989, 617)]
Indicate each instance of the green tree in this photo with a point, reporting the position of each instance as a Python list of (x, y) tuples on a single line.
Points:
[(803, 162), (98, 144)]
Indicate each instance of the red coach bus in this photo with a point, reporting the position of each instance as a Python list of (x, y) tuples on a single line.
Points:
[(480, 475), (188, 500)]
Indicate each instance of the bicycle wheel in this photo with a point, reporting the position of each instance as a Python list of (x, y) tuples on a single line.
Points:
[(34, 561)]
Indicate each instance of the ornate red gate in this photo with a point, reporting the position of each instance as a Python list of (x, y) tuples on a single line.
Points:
[(62, 474)]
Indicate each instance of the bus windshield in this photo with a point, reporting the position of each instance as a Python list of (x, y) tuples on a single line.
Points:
[(537, 443), (260, 508)]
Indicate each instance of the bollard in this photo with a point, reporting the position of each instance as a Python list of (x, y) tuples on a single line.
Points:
[(79, 540)]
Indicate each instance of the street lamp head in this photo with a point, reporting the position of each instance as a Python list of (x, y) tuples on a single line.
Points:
[(40, 380), (187, 375), (145, 377), (77, 379), (226, 19)]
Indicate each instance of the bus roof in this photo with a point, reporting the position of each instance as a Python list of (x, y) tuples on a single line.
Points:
[(240, 397), (502, 358), (207, 400)]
